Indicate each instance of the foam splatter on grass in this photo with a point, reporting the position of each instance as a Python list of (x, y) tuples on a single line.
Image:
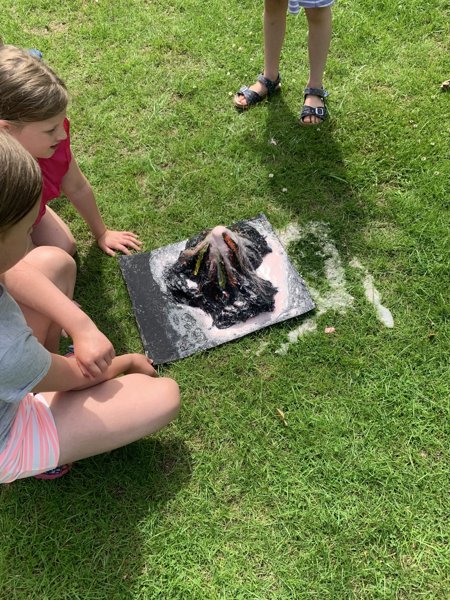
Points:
[(333, 295), (372, 295)]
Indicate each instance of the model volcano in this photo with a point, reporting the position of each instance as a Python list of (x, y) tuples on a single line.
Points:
[(217, 273), (212, 288)]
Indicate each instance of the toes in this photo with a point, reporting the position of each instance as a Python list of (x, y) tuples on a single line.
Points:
[(239, 100), (310, 120)]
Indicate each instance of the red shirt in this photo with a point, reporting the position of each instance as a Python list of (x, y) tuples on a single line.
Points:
[(53, 170)]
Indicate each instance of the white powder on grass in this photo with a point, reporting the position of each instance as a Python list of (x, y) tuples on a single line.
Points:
[(373, 295), (336, 298)]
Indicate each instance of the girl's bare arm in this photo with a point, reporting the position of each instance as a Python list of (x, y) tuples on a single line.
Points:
[(79, 191), (64, 373), (30, 287)]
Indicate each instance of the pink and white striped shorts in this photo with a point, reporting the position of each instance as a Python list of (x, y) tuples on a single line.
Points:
[(33, 445)]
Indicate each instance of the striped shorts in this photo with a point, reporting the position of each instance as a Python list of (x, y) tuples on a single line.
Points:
[(33, 445), (294, 5)]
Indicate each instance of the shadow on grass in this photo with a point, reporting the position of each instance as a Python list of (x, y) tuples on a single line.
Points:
[(82, 536), (307, 177), (307, 162)]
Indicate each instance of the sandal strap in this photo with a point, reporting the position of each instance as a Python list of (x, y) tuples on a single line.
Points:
[(272, 86), (55, 473), (320, 112), (251, 96), (319, 92)]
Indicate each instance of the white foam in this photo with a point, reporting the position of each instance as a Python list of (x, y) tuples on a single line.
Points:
[(261, 348), (291, 233), (356, 264), (373, 295), (336, 298), (306, 327)]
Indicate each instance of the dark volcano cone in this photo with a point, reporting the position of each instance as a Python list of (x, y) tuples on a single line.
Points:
[(216, 272)]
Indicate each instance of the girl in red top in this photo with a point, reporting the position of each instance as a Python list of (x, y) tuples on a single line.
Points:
[(33, 103)]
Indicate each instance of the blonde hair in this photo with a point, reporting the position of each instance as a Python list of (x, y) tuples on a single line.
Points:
[(20, 181), (29, 90)]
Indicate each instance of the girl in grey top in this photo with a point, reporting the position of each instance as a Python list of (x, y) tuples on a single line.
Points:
[(86, 411)]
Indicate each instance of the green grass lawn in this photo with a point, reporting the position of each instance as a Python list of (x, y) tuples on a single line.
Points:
[(351, 498)]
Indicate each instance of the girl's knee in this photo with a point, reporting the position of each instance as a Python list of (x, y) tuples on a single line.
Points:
[(61, 263), (171, 393), (167, 396), (70, 267), (159, 397), (317, 16), (53, 262), (65, 259), (159, 402), (68, 272), (275, 6), (69, 245)]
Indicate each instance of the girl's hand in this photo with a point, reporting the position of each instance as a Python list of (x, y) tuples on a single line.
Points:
[(141, 364), (118, 240), (93, 351)]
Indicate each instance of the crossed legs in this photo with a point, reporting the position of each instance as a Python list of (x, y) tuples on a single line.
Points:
[(112, 414), (106, 416)]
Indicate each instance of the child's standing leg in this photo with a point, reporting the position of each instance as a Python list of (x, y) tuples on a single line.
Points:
[(319, 37), (274, 31)]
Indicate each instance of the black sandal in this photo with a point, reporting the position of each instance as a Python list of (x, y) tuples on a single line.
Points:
[(320, 112), (253, 97)]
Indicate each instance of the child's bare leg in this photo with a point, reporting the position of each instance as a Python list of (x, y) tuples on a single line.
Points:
[(52, 231), (319, 37), (112, 414), (274, 31), (60, 269)]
